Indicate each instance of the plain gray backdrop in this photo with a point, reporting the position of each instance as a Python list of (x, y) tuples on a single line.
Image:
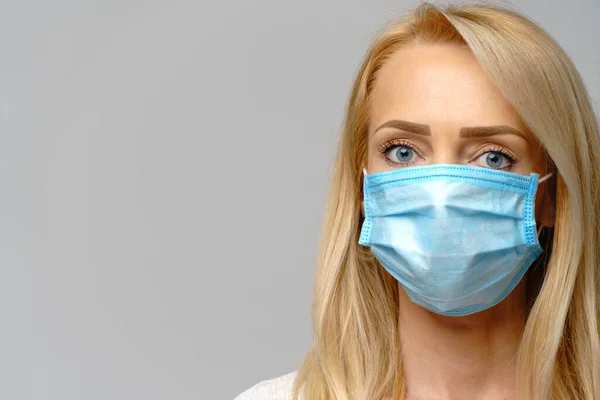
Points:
[(164, 169)]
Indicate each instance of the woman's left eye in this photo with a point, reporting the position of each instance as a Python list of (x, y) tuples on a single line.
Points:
[(494, 159)]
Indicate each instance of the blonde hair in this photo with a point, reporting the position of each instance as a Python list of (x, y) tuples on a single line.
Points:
[(356, 352)]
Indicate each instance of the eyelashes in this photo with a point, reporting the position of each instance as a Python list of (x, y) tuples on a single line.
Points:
[(491, 156), (386, 148)]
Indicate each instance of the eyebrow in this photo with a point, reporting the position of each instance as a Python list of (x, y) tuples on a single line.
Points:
[(484, 131), (465, 132), (413, 127)]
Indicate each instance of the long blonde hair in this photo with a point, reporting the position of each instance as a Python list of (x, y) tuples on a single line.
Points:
[(356, 352)]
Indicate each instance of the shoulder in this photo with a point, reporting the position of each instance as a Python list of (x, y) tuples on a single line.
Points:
[(279, 388)]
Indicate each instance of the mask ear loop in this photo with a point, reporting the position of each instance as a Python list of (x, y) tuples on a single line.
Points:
[(545, 177), (540, 229), (540, 181)]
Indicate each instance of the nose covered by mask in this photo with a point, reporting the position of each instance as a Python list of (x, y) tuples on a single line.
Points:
[(458, 238)]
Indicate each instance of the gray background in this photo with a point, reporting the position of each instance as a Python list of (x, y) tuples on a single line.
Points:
[(164, 170)]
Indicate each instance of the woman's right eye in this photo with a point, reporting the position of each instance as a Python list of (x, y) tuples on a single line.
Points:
[(401, 154)]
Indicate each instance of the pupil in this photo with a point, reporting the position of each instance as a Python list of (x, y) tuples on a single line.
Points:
[(403, 153), (494, 159)]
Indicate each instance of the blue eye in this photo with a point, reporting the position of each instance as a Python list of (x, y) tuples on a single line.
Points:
[(401, 154), (494, 159)]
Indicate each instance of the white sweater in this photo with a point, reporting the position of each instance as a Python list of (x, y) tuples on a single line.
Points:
[(279, 388)]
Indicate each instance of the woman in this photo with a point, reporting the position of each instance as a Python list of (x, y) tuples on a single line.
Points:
[(461, 244)]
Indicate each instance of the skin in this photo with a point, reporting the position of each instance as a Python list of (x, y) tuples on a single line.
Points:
[(443, 86)]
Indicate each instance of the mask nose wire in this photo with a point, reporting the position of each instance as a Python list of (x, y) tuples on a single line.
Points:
[(539, 181)]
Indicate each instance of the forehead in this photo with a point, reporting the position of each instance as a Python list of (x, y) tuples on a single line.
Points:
[(442, 85)]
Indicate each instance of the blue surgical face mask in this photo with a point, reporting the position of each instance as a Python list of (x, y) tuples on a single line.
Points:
[(458, 238)]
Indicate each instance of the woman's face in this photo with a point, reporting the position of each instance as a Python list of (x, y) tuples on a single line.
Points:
[(434, 104)]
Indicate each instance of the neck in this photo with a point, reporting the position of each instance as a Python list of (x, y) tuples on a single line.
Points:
[(471, 357)]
